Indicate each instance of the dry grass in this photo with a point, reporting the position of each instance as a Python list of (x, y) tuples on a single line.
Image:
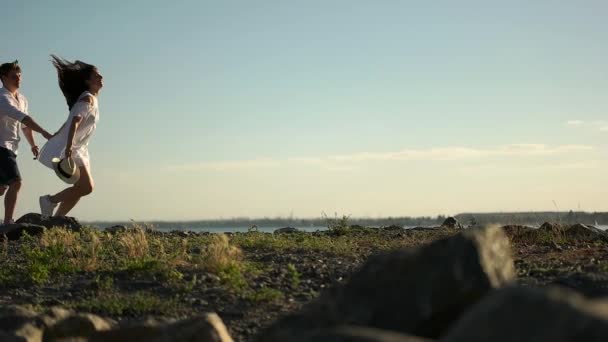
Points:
[(134, 244), (220, 254)]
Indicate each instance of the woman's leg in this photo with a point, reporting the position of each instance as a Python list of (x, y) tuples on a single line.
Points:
[(70, 196)]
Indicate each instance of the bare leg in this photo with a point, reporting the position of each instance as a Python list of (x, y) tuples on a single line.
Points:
[(3, 189), (70, 196), (10, 200)]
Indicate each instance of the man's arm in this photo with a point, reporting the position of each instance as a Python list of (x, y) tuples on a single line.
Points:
[(29, 122), (27, 132), (12, 111)]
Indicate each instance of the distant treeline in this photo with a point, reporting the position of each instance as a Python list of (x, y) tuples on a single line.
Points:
[(466, 219)]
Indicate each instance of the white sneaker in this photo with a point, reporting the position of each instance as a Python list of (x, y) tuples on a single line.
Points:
[(46, 206)]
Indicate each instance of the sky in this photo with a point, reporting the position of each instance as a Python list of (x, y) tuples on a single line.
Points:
[(220, 109)]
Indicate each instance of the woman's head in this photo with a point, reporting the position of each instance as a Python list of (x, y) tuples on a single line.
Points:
[(76, 78)]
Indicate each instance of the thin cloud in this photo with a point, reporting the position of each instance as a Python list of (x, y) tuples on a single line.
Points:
[(461, 153), (575, 122), (226, 165), (339, 162)]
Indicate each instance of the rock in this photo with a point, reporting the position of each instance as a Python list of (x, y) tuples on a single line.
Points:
[(21, 323), (520, 233), (580, 231), (6, 337), (115, 229), (593, 285), (54, 314), (180, 233), (527, 314), (415, 291), (51, 222), (15, 231), (205, 328), (554, 228), (422, 229), (452, 223), (357, 227), (359, 334), (285, 230), (78, 325)]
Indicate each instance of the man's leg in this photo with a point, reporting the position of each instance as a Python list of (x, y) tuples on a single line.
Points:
[(11, 176), (10, 200)]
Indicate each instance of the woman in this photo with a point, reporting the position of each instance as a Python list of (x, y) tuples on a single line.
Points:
[(80, 83)]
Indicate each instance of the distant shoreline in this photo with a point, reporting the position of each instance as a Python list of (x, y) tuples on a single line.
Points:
[(466, 219)]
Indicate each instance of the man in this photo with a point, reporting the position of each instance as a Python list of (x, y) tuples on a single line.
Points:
[(13, 116)]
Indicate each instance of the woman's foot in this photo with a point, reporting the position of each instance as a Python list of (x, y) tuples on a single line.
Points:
[(46, 206)]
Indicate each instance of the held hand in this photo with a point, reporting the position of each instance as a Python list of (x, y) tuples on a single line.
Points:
[(35, 152)]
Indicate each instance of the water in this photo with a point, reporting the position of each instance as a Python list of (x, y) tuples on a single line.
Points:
[(271, 229), (243, 229)]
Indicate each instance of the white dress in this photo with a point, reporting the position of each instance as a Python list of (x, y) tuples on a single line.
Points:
[(55, 147)]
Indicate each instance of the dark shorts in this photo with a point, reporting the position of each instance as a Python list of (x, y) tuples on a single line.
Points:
[(9, 171)]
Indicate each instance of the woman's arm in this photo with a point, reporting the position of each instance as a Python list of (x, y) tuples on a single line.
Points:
[(82, 110), (73, 127)]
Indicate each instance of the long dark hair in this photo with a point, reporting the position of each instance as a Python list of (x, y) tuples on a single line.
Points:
[(72, 78)]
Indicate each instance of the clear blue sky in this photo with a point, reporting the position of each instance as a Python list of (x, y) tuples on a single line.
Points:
[(262, 108)]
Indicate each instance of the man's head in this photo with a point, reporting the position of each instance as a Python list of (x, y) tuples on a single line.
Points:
[(10, 74)]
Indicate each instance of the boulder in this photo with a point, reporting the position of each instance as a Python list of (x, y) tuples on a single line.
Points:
[(527, 314), (552, 227), (77, 325), (14, 231), (520, 233), (592, 285), (115, 229), (285, 230), (21, 323), (360, 334), (54, 314), (7, 337), (451, 223), (580, 231), (51, 222), (205, 328), (414, 291)]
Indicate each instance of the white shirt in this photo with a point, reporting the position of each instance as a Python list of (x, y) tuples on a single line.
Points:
[(55, 147), (13, 109)]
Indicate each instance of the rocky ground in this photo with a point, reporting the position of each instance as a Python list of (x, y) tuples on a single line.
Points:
[(250, 280)]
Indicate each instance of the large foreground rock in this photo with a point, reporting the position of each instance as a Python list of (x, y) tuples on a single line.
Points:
[(76, 325), (593, 285), (20, 324), (16, 230), (525, 314), (205, 328), (414, 291), (359, 334), (51, 222)]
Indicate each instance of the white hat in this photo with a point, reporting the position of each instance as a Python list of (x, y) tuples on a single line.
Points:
[(66, 169)]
